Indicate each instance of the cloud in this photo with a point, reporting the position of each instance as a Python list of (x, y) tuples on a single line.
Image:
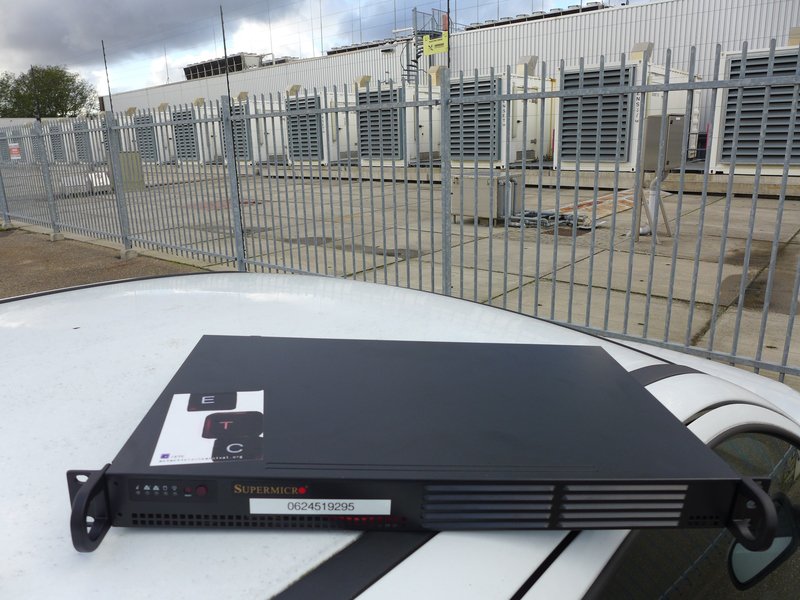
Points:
[(139, 33)]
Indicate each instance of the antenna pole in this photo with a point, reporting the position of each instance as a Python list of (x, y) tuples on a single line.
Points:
[(225, 50), (108, 81)]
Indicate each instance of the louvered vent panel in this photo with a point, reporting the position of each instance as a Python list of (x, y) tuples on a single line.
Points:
[(185, 135), (83, 146), (146, 137), (487, 506), (304, 130), (585, 117), (776, 133), (5, 154), (612, 506), (241, 132), (380, 132), (57, 143), (519, 506), (475, 126)]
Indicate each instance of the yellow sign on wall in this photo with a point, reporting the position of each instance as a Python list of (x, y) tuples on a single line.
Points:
[(436, 45)]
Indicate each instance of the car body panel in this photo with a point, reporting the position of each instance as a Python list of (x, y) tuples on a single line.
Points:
[(82, 367)]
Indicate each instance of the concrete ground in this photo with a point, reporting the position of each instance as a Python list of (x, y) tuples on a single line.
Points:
[(688, 289)]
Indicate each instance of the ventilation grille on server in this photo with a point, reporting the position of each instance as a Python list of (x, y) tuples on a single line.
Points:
[(776, 135), (57, 143), (630, 505), (146, 137), (489, 506), (380, 132), (614, 120), (304, 130), (265, 521), (475, 126), (185, 134), (591, 506), (83, 146)]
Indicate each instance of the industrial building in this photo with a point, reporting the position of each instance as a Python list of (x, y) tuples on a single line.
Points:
[(490, 58)]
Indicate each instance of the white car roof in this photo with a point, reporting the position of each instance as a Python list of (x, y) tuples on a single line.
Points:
[(81, 368)]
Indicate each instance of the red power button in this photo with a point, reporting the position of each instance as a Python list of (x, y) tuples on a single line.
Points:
[(201, 490)]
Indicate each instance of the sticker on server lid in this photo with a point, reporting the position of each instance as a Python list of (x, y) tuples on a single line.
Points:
[(319, 506), (210, 427)]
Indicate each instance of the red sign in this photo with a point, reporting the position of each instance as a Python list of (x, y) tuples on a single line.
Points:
[(14, 151)]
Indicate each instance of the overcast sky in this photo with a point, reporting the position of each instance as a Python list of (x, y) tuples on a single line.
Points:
[(149, 41)]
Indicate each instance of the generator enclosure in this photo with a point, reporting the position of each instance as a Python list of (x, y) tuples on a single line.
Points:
[(616, 118), (496, 133), (194, 134), (317, 135), (740, 149), (398, 135)]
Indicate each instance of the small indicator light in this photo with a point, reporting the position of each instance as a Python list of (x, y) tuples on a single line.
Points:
[(188, 490), (302, 490)]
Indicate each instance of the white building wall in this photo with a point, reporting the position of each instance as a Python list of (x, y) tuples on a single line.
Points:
[(675, 24), (339, 69)]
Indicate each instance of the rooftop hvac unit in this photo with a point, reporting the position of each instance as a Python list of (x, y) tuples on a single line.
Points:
[(398, 136), (619, 120), (317, 137), (484, 131), (742, 152)]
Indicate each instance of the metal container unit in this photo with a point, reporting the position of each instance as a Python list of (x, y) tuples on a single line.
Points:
[(484, 132), (618, 123), (741, 150), (399, 136), (484, 197), (268, 135), (318, 137), (194, 135)]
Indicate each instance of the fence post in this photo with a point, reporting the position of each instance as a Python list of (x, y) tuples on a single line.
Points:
[(41, 155), (114, 150), (4, 202), (233, 180), (444, 155)]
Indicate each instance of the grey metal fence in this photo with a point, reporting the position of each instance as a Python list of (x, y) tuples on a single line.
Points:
[(593, 196)]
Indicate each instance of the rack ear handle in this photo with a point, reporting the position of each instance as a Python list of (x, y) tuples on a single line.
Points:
[(755, 519), (89, 500)]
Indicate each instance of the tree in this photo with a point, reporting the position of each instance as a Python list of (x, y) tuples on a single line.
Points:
[(45, 92)]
